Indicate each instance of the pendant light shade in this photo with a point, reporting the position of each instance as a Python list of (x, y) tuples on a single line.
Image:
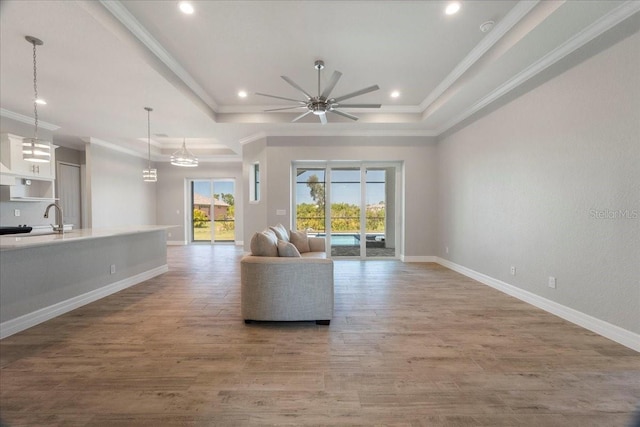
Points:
[(184, 157), (35, 149), (149, 175)]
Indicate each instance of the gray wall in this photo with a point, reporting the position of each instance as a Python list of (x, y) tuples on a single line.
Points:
[(418, 155), (73, 268), (526, 186), (173, 194), (255, 213), (116, 194)]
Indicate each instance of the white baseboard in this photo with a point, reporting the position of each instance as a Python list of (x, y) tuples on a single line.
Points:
[(407, 258), (26, 321), (176, 243), (607, 330)]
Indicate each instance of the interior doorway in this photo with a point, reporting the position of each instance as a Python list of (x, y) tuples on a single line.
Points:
[(69, 193), (212, 203)]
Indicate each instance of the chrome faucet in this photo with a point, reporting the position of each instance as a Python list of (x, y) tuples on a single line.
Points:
[(60, 227)]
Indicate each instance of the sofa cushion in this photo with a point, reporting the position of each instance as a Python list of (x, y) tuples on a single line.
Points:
[(300, 240), (264, 243), (286, 249), (281, 232)]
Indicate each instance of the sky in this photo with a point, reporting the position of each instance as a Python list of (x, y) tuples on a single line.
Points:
[(345, 187), (219, 186)]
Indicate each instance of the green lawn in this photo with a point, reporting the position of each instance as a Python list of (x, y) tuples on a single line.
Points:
[(204, 233)]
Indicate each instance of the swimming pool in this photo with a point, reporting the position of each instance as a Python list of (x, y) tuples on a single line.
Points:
[(350, 239)]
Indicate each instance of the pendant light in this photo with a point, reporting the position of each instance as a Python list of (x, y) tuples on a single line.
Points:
[(184, 157), (149, 175), (35, 149)]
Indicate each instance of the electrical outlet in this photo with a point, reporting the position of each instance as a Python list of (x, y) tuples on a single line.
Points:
[(113, 269), (16, 212), (552, 282), (446, 249), (513, 270), (169, 234), (281, 212)]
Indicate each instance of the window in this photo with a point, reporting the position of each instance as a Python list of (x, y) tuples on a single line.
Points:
[(254, 191)]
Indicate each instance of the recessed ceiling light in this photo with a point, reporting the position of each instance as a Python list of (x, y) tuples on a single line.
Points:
[(395, 94), (41, 101), (452, 8), (186, 7), (242, 94)]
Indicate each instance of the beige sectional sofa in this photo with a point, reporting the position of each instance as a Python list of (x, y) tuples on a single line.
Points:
[(287, 288)]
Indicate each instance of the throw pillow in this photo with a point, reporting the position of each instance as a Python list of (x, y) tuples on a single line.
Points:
[(300, 240), (281, 232), (264, 243), (286, 249)]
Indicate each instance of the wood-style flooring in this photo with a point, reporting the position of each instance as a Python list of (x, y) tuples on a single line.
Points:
[(409, 345)]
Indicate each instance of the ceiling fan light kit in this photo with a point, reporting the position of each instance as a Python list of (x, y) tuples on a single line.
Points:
[(322, 104)]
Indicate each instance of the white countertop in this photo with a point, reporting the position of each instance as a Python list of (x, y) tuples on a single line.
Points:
[(19, 241)]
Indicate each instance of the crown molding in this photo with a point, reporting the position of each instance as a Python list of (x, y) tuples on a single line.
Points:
[(514, 16), (337, 133), (26, 119), (122, 14), (259, 109), (115, 147), (589, 33)]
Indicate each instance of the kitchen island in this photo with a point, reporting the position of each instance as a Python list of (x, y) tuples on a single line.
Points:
[(43, 276)]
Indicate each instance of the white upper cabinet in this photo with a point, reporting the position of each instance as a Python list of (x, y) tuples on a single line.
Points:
[(14, 164)]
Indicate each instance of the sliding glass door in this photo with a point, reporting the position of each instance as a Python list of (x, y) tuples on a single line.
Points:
[(351, 205), (345, 196), (212, 210)]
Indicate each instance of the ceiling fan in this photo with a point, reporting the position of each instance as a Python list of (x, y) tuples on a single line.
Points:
[(321, 104)]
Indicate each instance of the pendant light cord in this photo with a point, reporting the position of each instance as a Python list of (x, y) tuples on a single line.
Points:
[(35, 90), (149, 135)]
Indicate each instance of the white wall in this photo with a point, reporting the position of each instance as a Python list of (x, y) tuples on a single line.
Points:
[(116, 194), (418, 155), (525, 186), (173, 194)]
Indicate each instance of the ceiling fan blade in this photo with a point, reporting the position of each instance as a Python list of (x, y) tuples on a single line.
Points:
[(358, 105), (286, 108), (300, 116), (280, 97), (356, 93), (332, 83), (294, 84), (323, 119), (342, 113)]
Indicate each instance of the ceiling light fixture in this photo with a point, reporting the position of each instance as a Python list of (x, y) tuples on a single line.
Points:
[(452, 8), (395, 94), (184, 157), (242, 94), (186, 7), (149, 175), (35, 149)]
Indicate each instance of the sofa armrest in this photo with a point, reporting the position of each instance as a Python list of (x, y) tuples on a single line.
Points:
[(317, 244)]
